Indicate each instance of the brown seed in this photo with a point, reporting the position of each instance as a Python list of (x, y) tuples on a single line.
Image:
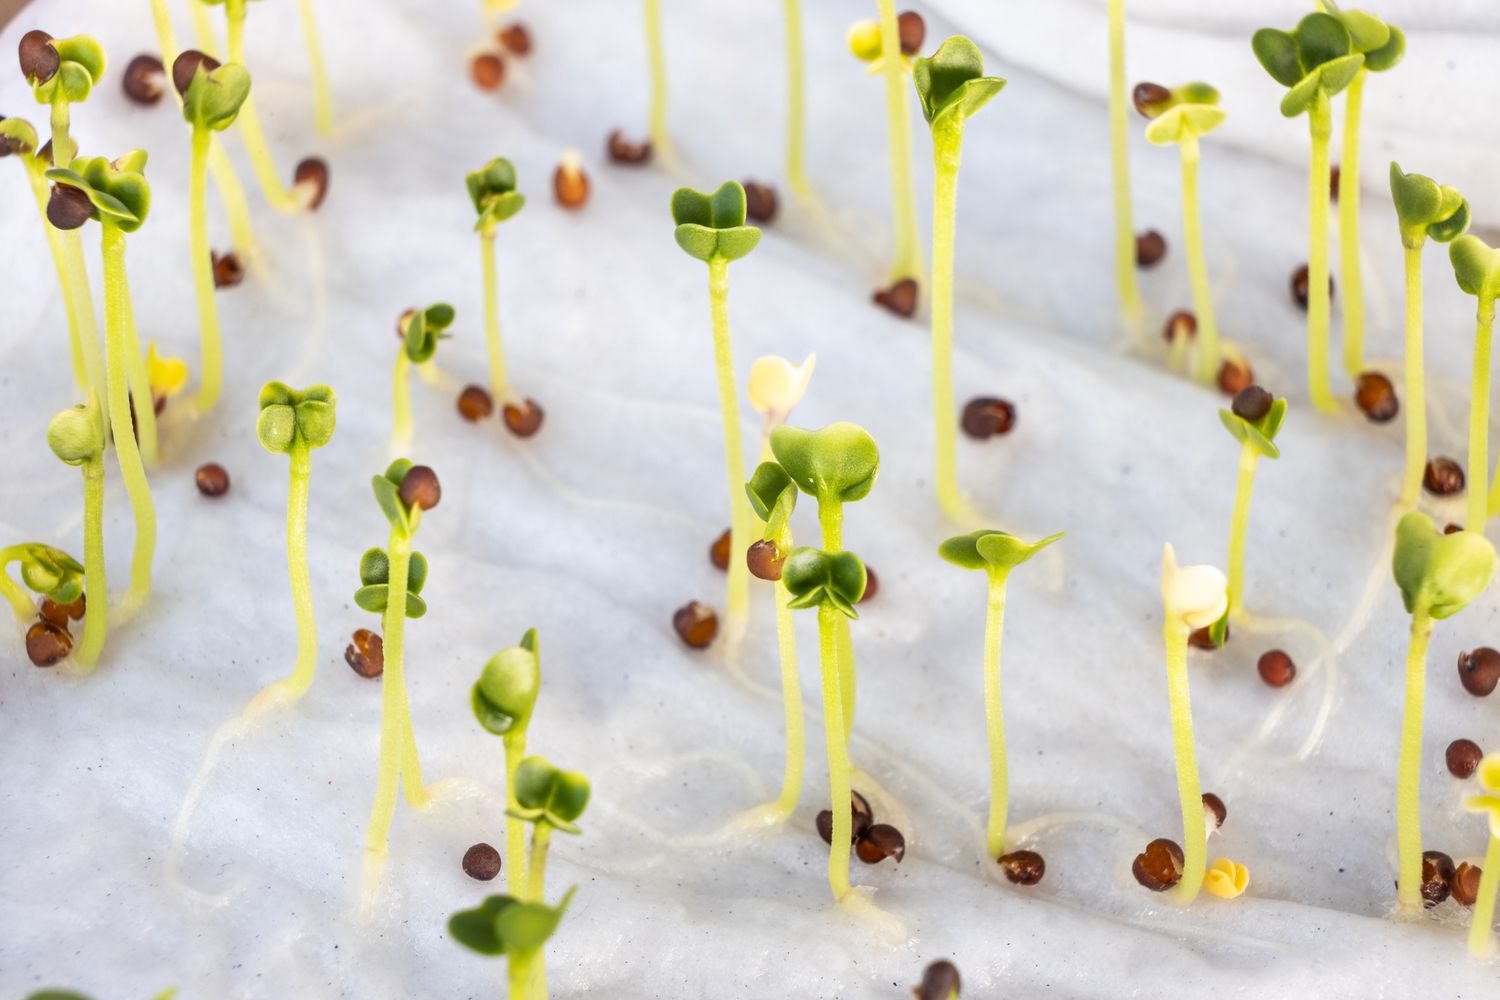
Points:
[(487, 70), (1437, 877), (900, 297), (1159, 866), (475, 403), (1465, 883), (1444, 477), (185, 67), (1462, 757), (696, 624), (1180, 324), (760, 201), (718, 552), (570, 185), (912, 31), (859, 819), (61, 614), (861, 808), (622, 150), (420, 488), (985, 416), (939, 982), (881, 841), (39, 58), (1452, 529), (765, 560), (228, 271), (1251, 403), (1215, 806), (1150, 248), (1023, 867), (1276, 668), (872, 586), (1333, 182), (523, 419), (1299, 286), (212, 480), (68, 207), (144, 79), (311, 181), (1234, 376), (1376, 397), (366, 654), (46, 644), (1479, 671), (482, 862), (1202, 638), (1150, 99), (516, 38)]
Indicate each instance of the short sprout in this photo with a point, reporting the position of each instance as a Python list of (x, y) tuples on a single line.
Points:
[(1317, 56), (713, 225), (212, 94), (1383, 45), (1194, 596), (992, 551), (1426, 208), (503, 925), (492, 189), (951, 83), (1259, 434), (117, 191), (51, 572), (61, 67), (1189, 110), (777, 385), (1476, 266), (814, 577), (505, 694), (289, 417), (773, 496), (423, 330)]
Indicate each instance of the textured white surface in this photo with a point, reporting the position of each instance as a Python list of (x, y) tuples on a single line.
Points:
[(597, 529)]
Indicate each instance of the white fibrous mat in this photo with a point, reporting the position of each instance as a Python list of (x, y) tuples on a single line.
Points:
[(596, 530)]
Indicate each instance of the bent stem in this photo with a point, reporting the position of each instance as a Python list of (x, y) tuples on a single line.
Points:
[(1119, 150), (657, 60), (908, 261), (1413, 382), (499, 383), (796, 171), (791, 701), (1189, 792), (1207, 367), (20, 601), (322, 102), (1408, 779), (1318, 384), (1354, 294), (515, 829), (994, 622), (95, 587), (203, 272), (282, 198), (1479, 416), (1480, 945), (838, 753), (1239, 522), (737, 598), (946, 142), (831, 523)]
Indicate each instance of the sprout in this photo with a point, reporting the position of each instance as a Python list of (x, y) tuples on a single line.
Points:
[(1192, 111), (1423, 208), (492, 190), (61, 71), (879, 44), (1256, 431), (1476, 265), (119, 198), (952, 86), (509, 927), (422, 330), (997, 553), (1486, 804), (503, 699), (1438, 575), (1119, 155), (45, 570), (1192, 597), (1315, 62), (76, 437)]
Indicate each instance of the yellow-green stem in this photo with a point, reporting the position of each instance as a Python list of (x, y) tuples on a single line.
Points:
[(412, 787), (322, 102), (520, 975), (994, 622), (1119, 149), (1484, 903), (401, 401), (945, 149), (1318, 385), (541, 838), (132, 471), (1408, 780), (63, 147), (831, 523), (282, 198), (77, 290), (657, 59), (35, 174), (95, 586), (908, 262), (21, 602), (395, 723), (203, 29), (838, 753), (1239, 522), (1479, 416), (1414, 387), (1189, 793), (499, 380), (515, 829), (1207, 366), (1354, 288), (737, 599), (211, 376), (140, 386), (296, 563), (791, 701), (796, 170)]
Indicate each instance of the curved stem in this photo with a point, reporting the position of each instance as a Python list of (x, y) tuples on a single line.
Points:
[(737, 598), (392, 688), (322, 102), (945, 148), (838, 754), (796, 171), (21, 602), (401, 401), (908, 262), (1408, 781), (1239, 522), (657, 60), (1354, 290), (515, 829), (203, 272), (282, 198), (1414, 384), (1318, 385), (831, 522), (1479, 416), (499, 380), (1189, 792), (1207, 366), (95, 586), (541, 838), (296, 561), (791, 701), (35, 174), (1484, 903), (994, 622), (1119, 149)]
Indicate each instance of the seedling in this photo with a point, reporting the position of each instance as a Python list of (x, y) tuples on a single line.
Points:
[(503, 699), (1192, 597), (711, 228), (1315, 61), (997, 553), (878, 43), (118, 197), (1119, 154), (492, 189), (1423, 208), (1438, 575), (512, 928), (212, 96), (1383, 46), (76, 436), (952, 86), (832, 582), (796, 169), (1191, 111), (1477, 268), (1486, 804), (422, 331), (391, 582), (48, 571), (1254, 420)]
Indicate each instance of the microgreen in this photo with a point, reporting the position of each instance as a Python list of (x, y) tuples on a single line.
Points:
[(48, 571), (1315, 61), (61, 71), (119, 198), (878, 44), (513, 928), (1192, 597), (1423, 208), (1119, 154), (421, 332), (1438, 576), (76, 436), (492, 190), (1192, 111), (1476, 266), (503, 699), (711, 228), (1257, 440), (1486, 804), (997, 553), (1382, 45), (951, 86)]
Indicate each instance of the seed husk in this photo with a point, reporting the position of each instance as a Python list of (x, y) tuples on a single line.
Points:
[(872, 586), (1251, 403), (1181, 323), (1276, 668), (1462, 757), (860, 819), (1376, 397), (1202, 638), (1150, 99), (212, 479), (61, 614), (718, 552), (185, 67), (570, 185), (1437, 877), (1333, 182), (39, 58), (1465, 883), (1023, 867), (420, 488), (622, 150), (1443, 477), (879, 842), (911, 30), (1479, 671), (46, 644), (1159, 866), (1214, 806), (523, 419), (228, 271), (900, 297), (516, 38), (1299, 286), (939, 982), (68, 207), (482, 862), (765, 560), (144, 80), (366, 654), (1150, 248), (696, 624), (311, 181), (760, 201), (1234, 376), (487, 69), (475, 403), (985, 416)]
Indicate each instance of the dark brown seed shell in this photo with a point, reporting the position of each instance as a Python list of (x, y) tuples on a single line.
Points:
[(1215, 805), (912, 31), (900, 297), (1150, 99), (39, 58), (1465, 883), (1443, 477), (144, 80), (1462, 757), (939, 982), (1159, 866), (696, 624), (879, 842), (420, 488), (523, 419), (47, 645), (1437, 877), (475, 403), (516, 38), (985, 416), (481, 862), (212, 479), (311, 181), (1479, 670), (1376, 397), (487, 70), (1023, 867), (185, 67), (765, 560), (622, 150), (68, 207), (718, 552), (1276, 668), (366, 654), (760, 201), (1251, 403), (1150, 248)]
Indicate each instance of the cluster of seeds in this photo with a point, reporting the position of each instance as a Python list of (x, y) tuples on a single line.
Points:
[(1159, 866), (487, 68), (48, 640), (872, 842)]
